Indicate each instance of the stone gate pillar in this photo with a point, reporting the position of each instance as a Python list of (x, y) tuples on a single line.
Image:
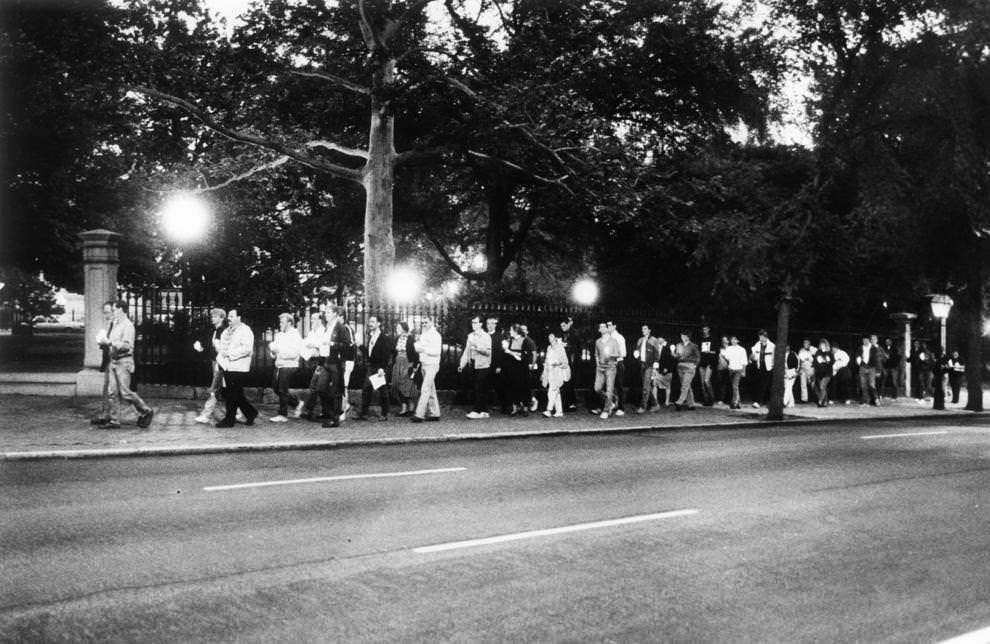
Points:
[(100, 262)]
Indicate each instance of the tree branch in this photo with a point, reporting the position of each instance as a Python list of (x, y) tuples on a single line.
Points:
[(371, 37), (330, 145), (518, 168), (333, 78), (250, 139), (244, 175), (470, 275)]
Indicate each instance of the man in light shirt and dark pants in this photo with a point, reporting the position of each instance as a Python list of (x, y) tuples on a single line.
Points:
[(478, 355), (234, 358)]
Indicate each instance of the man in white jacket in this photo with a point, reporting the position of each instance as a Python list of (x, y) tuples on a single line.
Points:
[(234, 358), (429, 346), (285, 348)]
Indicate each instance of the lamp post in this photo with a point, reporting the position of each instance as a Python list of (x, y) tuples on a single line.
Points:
[(941, 305)]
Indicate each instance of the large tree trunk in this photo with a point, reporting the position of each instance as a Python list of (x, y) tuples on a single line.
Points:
[(974, 354), (379, 180), (775, 408)]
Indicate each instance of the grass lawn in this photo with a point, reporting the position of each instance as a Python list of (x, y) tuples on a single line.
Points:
[(55, 351)]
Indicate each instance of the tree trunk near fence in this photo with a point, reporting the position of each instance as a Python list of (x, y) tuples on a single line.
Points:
[(775, 408), (974, 352)]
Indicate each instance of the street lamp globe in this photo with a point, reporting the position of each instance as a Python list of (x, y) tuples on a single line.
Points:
[(585, 292), (941, 305), (185, 218), (403, 285)]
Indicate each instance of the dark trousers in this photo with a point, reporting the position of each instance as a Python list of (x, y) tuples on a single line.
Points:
[(761, 386), (502, 394), (319, 387), (368, 392), (568, 397), (335, 372), (235, 396), (283, 377), (955, 381), (620, 382), (482, 384)]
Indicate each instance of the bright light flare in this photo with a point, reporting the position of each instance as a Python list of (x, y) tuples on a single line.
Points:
[(185, 218), (585, 292), (403, 285)]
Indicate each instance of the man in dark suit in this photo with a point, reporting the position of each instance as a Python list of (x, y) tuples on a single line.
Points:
[(666, 366), (868, 359), (341, 350), (647, 353), (378, 363)]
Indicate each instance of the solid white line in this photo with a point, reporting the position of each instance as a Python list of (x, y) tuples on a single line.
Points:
[(866, 438), (321, 479), (552, 531), (981, 636)]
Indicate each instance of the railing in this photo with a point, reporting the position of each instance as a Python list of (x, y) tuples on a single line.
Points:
[(168, 322)]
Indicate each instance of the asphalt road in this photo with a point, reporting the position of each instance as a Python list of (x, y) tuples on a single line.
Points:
[(819, 534)]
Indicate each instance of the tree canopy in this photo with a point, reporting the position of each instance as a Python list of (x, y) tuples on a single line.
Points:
[(515, 144)]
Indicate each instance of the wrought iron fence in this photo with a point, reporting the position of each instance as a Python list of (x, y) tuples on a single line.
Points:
[(169, 321)]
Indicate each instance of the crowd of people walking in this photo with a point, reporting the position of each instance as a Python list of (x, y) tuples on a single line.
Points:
[(507, 371)]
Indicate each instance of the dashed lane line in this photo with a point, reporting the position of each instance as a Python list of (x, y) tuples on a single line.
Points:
[(324, 479), (869, 438), (532, 534), (981, 636)]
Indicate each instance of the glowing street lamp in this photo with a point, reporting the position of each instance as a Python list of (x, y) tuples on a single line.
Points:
[(941, 305), (585, 292), (185, 218), (403, 285)]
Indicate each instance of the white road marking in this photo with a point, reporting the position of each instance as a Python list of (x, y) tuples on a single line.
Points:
[(322, 479), (867, 438), (552, 531), (981, 636)]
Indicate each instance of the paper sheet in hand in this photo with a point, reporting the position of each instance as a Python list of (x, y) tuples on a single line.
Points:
[(377, 381)]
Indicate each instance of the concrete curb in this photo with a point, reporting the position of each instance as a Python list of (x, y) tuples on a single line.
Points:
[(199, 450)]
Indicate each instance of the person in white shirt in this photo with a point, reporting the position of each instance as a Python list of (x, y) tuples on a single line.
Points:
[(736, 358), (429, 345), (556, 371), (478, 355), (620, 370), (234, 358), (842, 382), (120, 345), (806, 370), (286, 349)]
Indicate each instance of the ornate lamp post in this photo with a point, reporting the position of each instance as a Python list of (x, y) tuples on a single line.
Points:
[(941, 305)]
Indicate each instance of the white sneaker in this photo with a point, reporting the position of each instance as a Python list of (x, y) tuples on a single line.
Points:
[(484, 414), (604, 415), (756, 405), (619, 412), (279, 419), (473, 415), (547, 414), (205, 420), (300, 408), (241, 418), (559, 414)]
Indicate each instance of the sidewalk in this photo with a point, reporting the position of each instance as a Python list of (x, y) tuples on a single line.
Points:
[(34, 427)]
